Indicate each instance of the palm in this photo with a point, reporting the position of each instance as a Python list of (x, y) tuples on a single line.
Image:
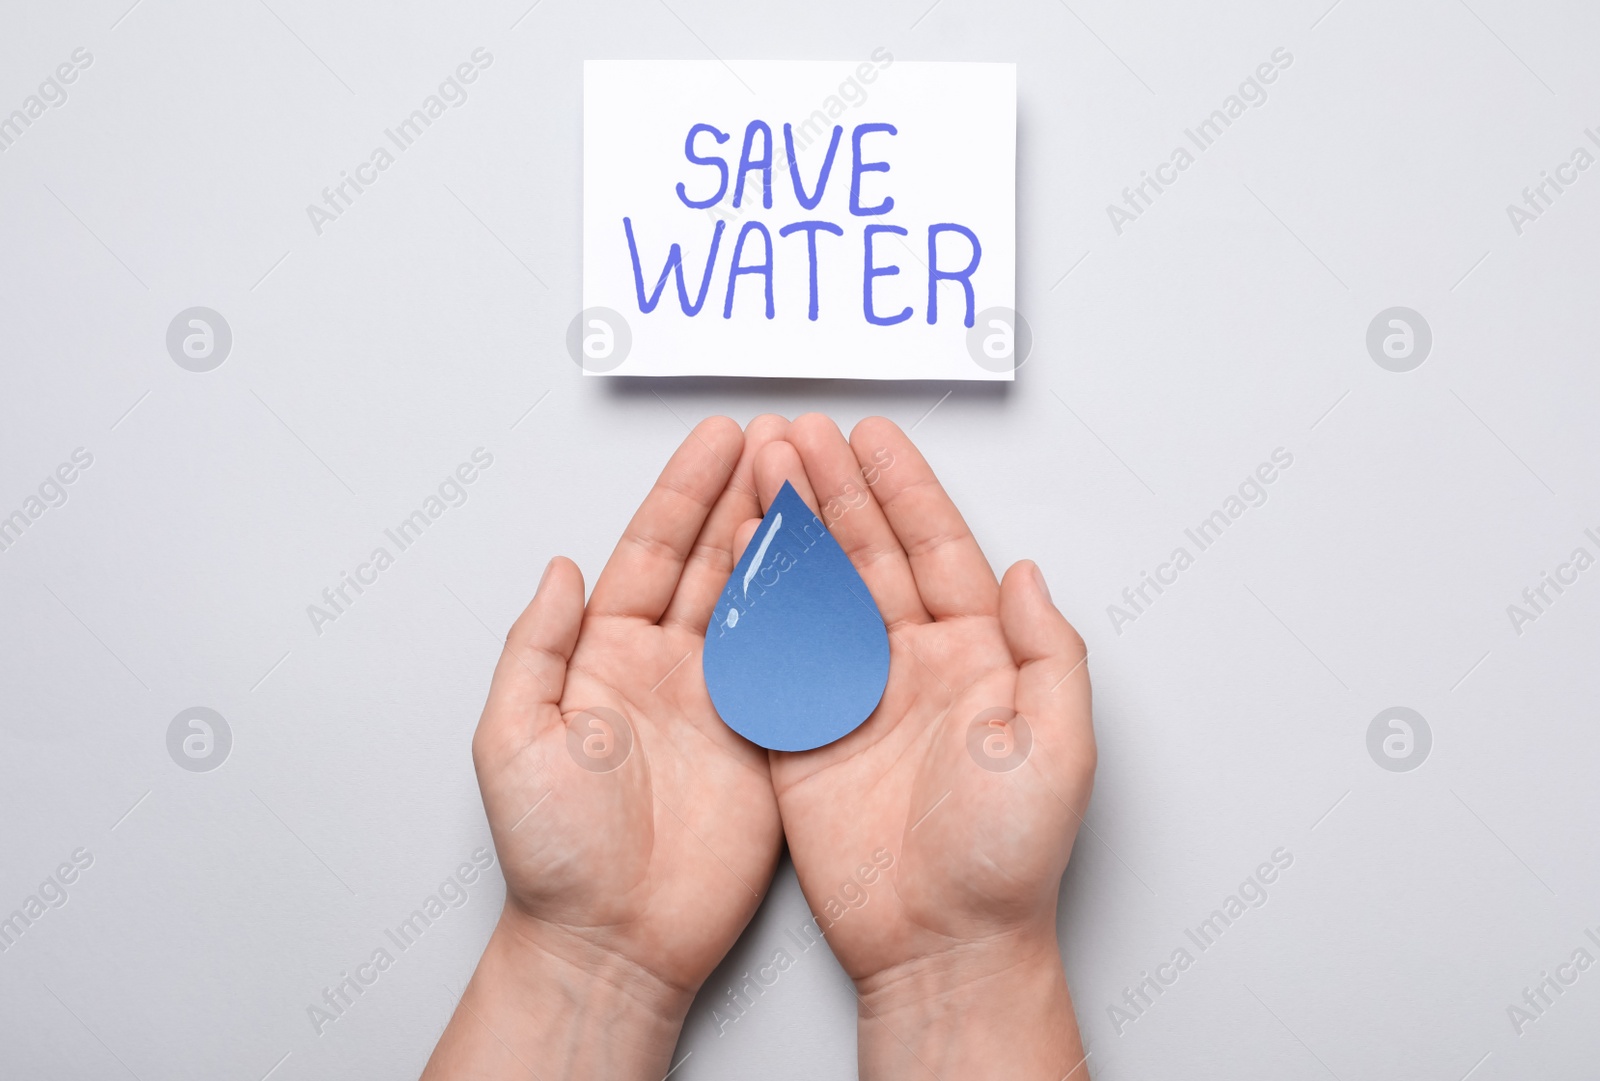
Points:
[(979, 848), (624, 811)]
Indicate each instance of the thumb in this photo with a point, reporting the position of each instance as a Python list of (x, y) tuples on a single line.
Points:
[(1053, 673), (532, 669)]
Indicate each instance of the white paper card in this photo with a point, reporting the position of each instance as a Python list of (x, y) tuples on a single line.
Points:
[(914, 203)]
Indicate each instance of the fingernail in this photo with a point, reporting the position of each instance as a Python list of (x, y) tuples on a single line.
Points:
[(544, 577), (1038, 576)]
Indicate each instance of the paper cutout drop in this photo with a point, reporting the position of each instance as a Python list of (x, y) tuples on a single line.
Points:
[(796, 654)]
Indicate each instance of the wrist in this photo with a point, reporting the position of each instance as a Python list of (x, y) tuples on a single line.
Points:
[(992, 1007), (543, 998), (548, 955)]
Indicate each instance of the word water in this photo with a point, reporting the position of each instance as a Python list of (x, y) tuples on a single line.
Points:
[(797, 654)]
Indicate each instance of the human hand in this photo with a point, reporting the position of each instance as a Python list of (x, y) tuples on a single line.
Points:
[(953, 951), (637, 833)]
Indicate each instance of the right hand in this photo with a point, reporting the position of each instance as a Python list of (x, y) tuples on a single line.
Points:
[(979, 829)]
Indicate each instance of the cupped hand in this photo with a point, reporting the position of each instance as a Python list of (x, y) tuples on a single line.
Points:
[(637, 833), (969, 779)]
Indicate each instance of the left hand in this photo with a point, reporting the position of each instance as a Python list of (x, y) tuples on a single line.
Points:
[(635, 847)]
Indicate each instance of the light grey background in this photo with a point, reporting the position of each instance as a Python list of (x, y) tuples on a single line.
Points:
[(367, 362)]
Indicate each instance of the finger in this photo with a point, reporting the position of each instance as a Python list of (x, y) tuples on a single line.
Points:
[(742, 538), (706, 572), (777, 462), (852, 514), (640, 577), (1053, 675), (532, 669), (953, 577)]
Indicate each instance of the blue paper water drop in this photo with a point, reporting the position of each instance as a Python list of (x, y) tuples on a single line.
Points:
[(796, 654)]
